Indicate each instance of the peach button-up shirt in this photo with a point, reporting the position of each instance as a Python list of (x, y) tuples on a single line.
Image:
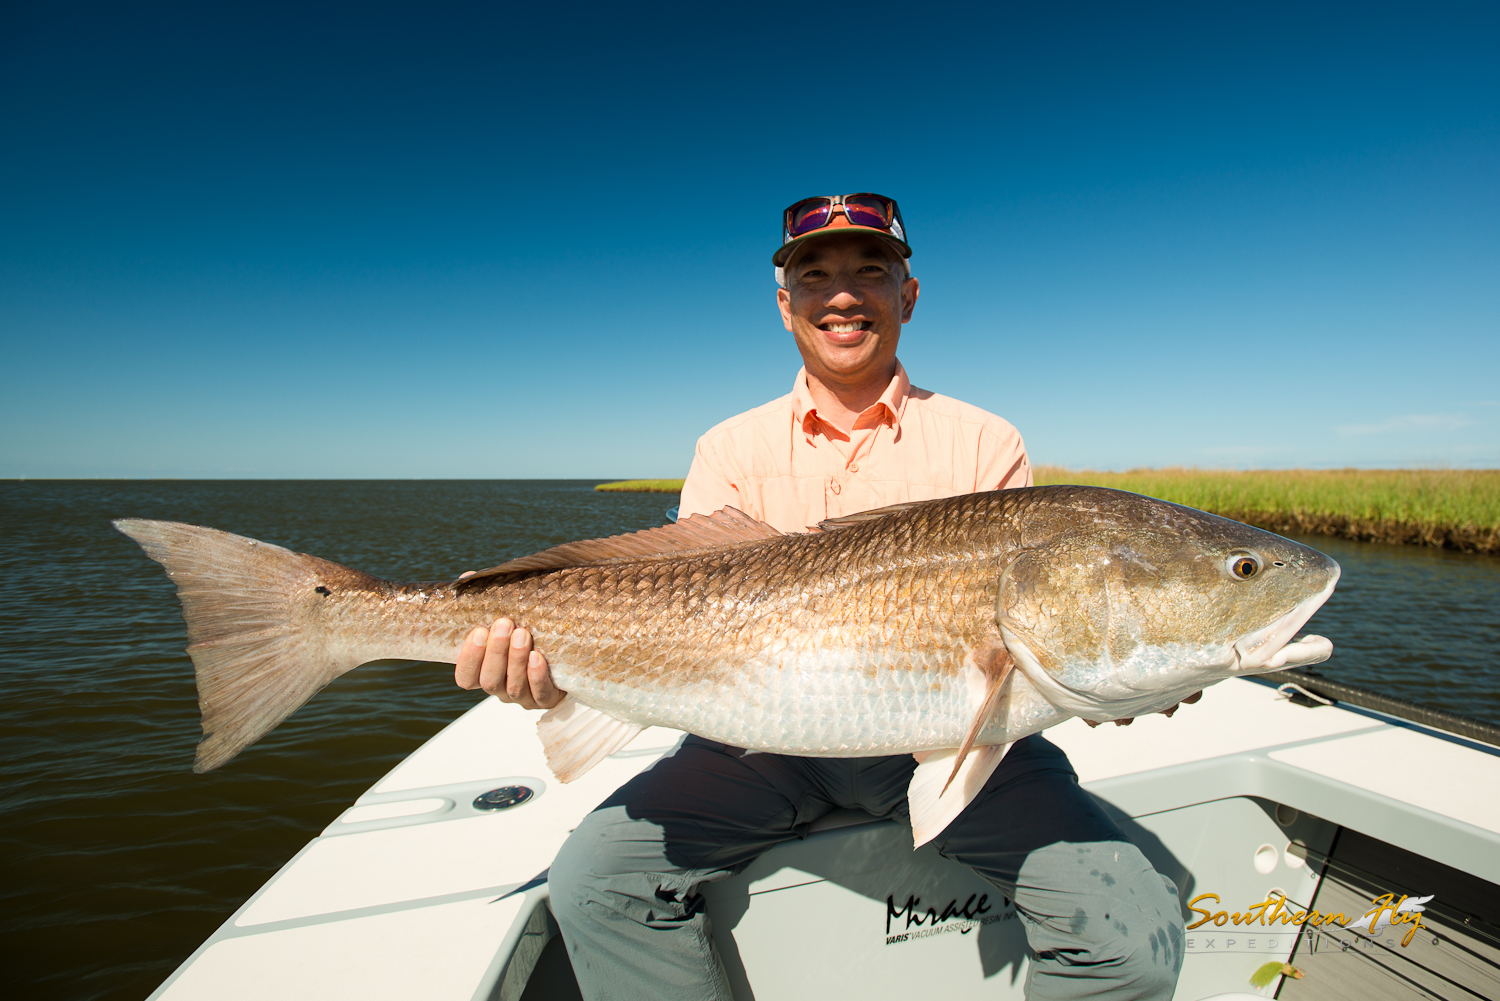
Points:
[(786, 466)]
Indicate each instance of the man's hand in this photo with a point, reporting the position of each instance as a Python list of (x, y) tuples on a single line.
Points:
[(1167, 712), (500, 660)]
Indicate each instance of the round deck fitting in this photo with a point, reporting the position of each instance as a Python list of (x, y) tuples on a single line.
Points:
[(503, 798)]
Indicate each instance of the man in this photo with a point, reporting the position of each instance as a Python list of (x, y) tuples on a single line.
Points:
[(852, 435)]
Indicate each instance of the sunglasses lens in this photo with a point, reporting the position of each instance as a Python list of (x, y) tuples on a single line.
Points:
[(869, 210), (806, 216)]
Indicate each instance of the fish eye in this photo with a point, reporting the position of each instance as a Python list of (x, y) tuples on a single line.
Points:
[(1242, 566)]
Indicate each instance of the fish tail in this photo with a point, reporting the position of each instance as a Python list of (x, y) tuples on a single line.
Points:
[(250, 609)]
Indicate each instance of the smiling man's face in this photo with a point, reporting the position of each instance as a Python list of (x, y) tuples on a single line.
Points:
[(845, 302)]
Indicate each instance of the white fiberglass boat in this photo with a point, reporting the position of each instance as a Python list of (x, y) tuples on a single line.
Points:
[(1270, 813)]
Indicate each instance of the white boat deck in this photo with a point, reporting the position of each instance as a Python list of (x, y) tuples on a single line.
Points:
[(412, 892)]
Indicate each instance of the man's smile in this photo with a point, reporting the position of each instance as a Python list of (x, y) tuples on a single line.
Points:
[(846, 327)]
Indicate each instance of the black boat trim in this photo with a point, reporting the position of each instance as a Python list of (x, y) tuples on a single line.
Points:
[(1356, 695)]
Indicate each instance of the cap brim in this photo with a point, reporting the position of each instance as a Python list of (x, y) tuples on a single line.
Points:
[(780, 257)]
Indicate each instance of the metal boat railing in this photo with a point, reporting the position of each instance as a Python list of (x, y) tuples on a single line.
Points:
[(1325, 688)]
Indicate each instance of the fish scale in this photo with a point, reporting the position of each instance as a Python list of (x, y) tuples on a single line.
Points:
[(793, 676)]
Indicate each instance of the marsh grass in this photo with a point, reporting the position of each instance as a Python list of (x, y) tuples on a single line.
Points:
[(643, 486), (1457, 508)]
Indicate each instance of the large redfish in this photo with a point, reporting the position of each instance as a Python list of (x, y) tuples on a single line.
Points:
[(952, 625)]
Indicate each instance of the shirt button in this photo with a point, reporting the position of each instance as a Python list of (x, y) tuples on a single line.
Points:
[(853, 467)]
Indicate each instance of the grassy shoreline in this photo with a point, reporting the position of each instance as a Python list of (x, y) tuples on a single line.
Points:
[(1452, 508), (642, 487)]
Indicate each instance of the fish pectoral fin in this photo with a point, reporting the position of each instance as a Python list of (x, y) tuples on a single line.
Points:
[(937, 795), (576, 737), (725, 527), (998, 666)]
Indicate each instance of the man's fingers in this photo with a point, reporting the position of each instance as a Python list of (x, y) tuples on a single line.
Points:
[(1167, 712), (539, 673), (470, 656), (467, 573), (496, 653), (517, 684)]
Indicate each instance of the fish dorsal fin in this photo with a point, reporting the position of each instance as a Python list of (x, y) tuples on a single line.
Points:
[(860, 517), (727, 526), (576, 737), (936, 796)]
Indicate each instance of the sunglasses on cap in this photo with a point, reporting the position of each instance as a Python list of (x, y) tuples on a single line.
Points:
[(862, 209)]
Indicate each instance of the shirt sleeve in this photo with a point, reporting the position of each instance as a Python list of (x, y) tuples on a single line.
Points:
[(1002, 459), (707, 488)]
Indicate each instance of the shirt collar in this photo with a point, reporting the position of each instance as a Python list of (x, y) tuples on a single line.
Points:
[(887, 410)]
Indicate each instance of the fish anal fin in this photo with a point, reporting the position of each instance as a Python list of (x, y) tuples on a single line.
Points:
[(576, 737), (727, 526), (936, 795), (996, 664)]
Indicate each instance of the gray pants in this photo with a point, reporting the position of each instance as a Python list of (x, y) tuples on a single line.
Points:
[(625, 885)]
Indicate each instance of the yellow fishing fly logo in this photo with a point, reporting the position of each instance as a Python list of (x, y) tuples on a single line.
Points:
[(1387, 911)]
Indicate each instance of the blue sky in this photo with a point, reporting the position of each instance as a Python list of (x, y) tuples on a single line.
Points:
[(490, 240)]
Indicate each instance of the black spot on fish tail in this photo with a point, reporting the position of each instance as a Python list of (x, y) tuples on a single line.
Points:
[(322, 590)]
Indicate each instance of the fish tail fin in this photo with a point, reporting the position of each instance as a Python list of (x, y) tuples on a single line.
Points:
[(256, 651)]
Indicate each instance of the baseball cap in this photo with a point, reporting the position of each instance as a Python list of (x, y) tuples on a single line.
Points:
[(823, 215)]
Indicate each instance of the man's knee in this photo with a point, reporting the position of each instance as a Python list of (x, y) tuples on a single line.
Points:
[(1106, 924), (614, 866), (605, 846), (1138, 926), (1151, 946)]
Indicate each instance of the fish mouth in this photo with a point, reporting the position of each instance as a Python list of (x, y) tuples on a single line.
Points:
[(1268, 649)]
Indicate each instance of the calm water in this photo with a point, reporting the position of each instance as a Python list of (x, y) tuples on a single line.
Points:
[(119, 861)]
